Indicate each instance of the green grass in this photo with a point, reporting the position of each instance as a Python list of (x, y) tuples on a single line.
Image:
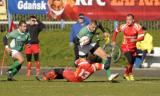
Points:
[(55, 50), (94, 86)]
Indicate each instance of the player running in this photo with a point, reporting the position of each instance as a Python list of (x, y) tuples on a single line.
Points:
[(85, 68), (132, 32), (86, 46), (18, 38)]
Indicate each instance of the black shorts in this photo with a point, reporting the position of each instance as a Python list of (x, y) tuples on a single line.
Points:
[(87, 49)]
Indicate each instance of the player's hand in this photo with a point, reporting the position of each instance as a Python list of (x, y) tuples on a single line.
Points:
[(35, 21), (9, 50), (113, 44), (106, 34), (28, 45), (84, 40)]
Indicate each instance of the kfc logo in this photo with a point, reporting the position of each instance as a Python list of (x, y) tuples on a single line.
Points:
[(90, 2)]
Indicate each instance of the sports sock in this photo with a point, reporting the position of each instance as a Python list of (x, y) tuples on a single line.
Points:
[(107, 66), (29, 65), (15, 67), (37, 67)]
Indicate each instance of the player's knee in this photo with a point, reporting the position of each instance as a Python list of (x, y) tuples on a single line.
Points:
[(36, 56), (107, 63), (106, 66), (21, 60), (29, 57)]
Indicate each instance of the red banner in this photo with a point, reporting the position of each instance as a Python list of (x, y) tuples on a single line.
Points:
[(110, 9)]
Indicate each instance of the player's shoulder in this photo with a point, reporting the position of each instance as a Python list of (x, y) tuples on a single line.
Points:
[(26, 33), (122, 27), (137, 26), (84, 28), (14, 32)]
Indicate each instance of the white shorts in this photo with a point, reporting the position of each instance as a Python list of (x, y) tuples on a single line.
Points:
[(14, 52), (87, 49)]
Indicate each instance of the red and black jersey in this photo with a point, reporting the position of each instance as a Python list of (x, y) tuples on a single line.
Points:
[(34, 31)]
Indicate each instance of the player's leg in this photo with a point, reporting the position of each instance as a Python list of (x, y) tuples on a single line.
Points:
[(99, 66), (130, 61), (105, 58), (29, 64), (144, 55), (36, 50), (16, 66), (37, 63), (28, 52), (76, 51)]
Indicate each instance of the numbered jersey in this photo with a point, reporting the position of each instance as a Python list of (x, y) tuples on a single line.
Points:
[(85, 69), (18, 39)]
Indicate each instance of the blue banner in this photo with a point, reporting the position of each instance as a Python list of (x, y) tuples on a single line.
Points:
[(28, 6)]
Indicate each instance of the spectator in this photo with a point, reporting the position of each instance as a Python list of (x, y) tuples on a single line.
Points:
[(82, 21), (145, 46)]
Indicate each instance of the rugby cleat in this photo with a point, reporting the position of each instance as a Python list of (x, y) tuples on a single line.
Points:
[(127, 77), (113, 76)]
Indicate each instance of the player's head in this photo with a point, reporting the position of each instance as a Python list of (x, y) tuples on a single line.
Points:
[(81, 18), (50, 75), (93, 25), (32, 20), (22, 26), (93, 59), (130, 19)]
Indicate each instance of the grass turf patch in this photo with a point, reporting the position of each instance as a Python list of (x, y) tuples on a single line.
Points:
[(94, 86)]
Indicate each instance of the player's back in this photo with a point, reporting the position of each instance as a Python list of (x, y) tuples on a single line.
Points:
[(84, 69)]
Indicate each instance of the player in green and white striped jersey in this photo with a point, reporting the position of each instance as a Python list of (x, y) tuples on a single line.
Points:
[(18, 38)]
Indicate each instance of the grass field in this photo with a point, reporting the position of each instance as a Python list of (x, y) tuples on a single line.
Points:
[(94, 86), (55, 50)]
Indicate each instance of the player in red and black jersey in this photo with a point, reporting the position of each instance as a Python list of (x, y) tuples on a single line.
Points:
[(34, 28)]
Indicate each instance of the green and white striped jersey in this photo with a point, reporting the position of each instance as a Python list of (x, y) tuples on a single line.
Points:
[(18, 39)]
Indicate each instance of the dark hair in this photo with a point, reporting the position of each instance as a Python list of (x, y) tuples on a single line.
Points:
[(33, 17), (21, 22), (91, 58), (81, 16), (94, 22), (144, 28), (130, 15)]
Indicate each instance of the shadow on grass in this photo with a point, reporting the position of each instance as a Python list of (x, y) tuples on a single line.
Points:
[(148, 79), (8, 81), (114, 81)]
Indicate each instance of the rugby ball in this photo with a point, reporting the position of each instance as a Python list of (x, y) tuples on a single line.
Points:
[(84, 40)]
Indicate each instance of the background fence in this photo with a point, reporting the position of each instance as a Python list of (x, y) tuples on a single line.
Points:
[(52, 24)]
